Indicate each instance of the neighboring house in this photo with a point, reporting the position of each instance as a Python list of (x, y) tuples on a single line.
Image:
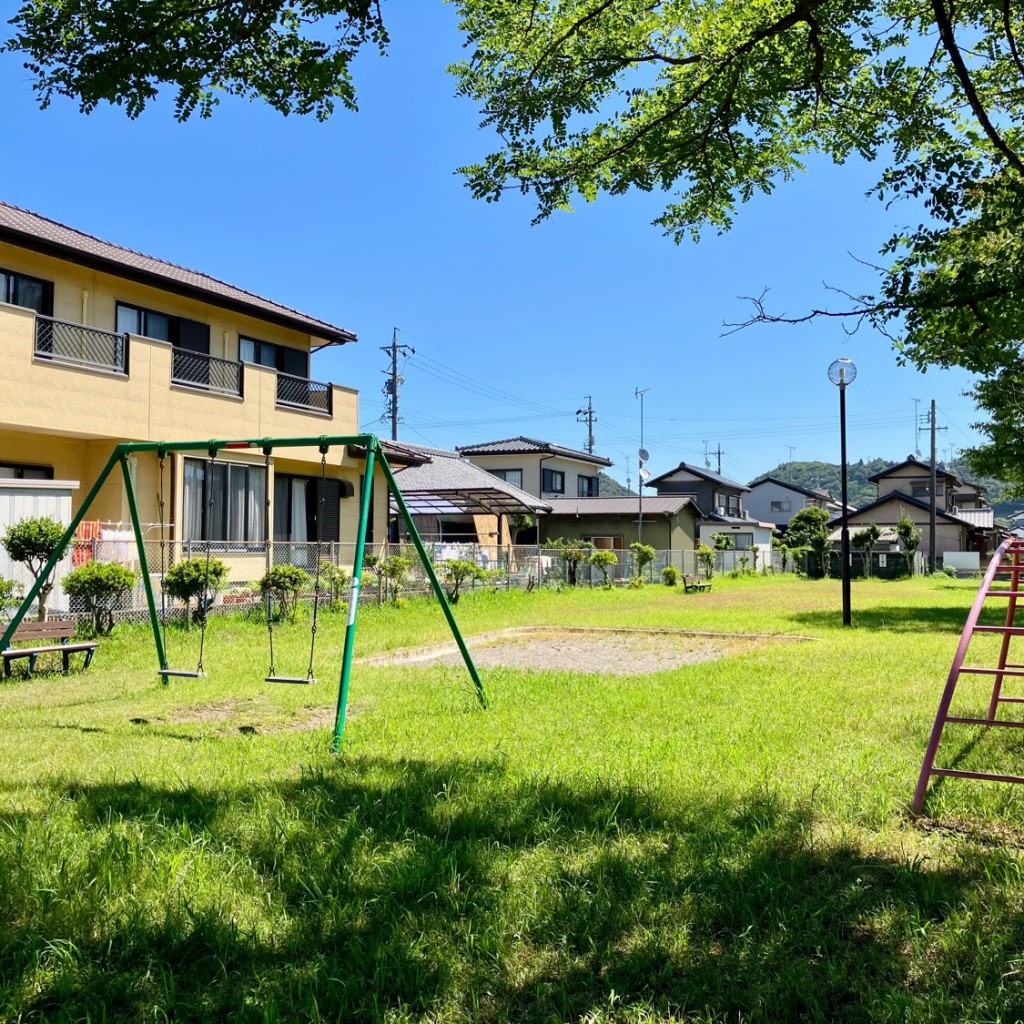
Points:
[(101, 344), (776, 501), (722, 501), (669, 524), (453, 500), (540, 468), (964, 502)]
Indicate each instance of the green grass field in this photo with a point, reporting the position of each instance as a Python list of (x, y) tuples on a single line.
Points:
[(726, 841)]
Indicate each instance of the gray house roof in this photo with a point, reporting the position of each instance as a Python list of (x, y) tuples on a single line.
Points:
[(818, 493), (40, 234), (529, 446), (699, 471), (663, 505), (449, 484)]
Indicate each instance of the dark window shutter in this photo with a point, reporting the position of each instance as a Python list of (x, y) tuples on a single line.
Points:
[(331, 526), (293, 361), (193, 336)]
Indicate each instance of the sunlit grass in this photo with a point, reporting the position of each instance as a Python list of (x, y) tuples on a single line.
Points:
[(723, 841)]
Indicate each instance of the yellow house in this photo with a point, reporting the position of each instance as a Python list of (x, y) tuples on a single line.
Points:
[(101, 344)]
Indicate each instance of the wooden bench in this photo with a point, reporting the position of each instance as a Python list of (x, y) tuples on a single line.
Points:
[(694, 584), (54, 629)]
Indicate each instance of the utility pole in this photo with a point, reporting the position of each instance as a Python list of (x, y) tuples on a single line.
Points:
[(642, 457), (716, 451), (917, 425), (932, 487), (590, 418), (790, 448), (394, 378)]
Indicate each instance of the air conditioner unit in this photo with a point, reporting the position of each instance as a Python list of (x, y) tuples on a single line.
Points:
[(720, 510)]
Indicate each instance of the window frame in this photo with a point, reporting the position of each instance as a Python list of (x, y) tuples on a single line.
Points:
[(278, 350), (20, 467), (592, 491), (503, 474), (7, 294), (784, 505), (225, 543), (548, 476)]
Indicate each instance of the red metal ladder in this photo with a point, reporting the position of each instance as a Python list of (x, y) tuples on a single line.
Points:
[(1007, 563)]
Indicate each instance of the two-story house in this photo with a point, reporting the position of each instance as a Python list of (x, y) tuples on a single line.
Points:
[(721, 501), (964, 522), (101, 344), (777, 501)]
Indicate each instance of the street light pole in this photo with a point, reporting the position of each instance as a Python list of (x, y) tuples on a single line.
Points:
[(842, 373)]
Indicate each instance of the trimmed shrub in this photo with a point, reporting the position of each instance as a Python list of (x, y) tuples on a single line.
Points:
[(100, 585)]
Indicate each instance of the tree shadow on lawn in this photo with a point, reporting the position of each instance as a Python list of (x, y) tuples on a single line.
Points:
[(405, 890), (898, 619)]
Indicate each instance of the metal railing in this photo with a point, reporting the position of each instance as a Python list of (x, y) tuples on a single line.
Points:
[(300, 393), (197, 370), (78, 345)]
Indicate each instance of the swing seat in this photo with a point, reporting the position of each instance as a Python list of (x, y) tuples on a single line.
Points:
[(289, 679), (190, 673)]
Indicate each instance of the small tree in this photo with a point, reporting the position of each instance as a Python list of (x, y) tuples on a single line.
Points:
[(335, 579), (910, 535), (643, 555), (821, 546), (11, 593), (190, 578), (375, 564), (864, 540), (603, 560), (572, 552), (784, 552), (100, 585), (809, 529), (706, 559), (32, 542), (455, 573), (284, 583), (395, 570), (518, 522), (670, 575)]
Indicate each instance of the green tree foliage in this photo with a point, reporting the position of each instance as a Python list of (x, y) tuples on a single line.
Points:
[(395, 570), (706, 559), (910, 537), (805, 524), (670, 576), (292, 54), (190, 578), (11, 593), (100, 585), (603, 560), (722, 541), (32, 541), (455, 573), (572, 552), (284, 584), (643, 555), (864, 540), (335, 579)]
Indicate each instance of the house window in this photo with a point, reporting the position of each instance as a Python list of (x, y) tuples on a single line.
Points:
[(510, 476), (605, 543), (224, 501), (742, 541), (178, 330), (292, 361), (922, 488), (30, 292), (552, 481), (782, 506), (586, 487), (297, 507), (21, 471), (727, 504)]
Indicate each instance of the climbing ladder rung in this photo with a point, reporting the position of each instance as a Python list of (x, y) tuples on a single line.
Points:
[(993, 671), (957, 773), (999, 723), (1011, 630), (1011, 700), (1004, 593)]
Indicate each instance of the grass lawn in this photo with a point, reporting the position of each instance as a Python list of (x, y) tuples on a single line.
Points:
[(724, 841)]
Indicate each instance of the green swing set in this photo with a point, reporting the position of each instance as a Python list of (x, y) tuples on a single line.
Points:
[(375, 456)]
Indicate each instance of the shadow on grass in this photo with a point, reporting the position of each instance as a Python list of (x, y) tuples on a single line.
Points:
[(897, 619), (399, 890)]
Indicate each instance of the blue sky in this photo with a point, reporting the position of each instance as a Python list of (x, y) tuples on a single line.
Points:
[(362, 221)]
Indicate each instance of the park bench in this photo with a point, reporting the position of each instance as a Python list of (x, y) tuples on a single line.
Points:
[(54, 629), (694, 584)]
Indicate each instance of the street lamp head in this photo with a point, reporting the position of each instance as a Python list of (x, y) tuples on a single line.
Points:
[(842, 372)]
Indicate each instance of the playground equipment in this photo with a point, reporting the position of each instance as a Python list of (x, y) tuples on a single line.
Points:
[(1006, 564), (374, 456)]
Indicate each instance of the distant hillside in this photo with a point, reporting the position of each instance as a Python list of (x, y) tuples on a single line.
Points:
[(610, 488), (861, 490)]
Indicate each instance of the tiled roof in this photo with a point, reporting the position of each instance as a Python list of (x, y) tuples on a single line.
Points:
[(917, 464), (529, 446), (40, 234), (700, 471), (902, 499), (667, 504), (818, 493)]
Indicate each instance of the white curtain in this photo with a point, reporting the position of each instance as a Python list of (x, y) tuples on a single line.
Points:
[(298, 511)]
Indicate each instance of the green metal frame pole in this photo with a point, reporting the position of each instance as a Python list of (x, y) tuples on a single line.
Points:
[(58, 551), (353, 596), (442, 597), (147, 583)]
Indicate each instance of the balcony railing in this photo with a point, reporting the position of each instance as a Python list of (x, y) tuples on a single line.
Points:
[(208, 373), (299, 393), (78, 345)]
